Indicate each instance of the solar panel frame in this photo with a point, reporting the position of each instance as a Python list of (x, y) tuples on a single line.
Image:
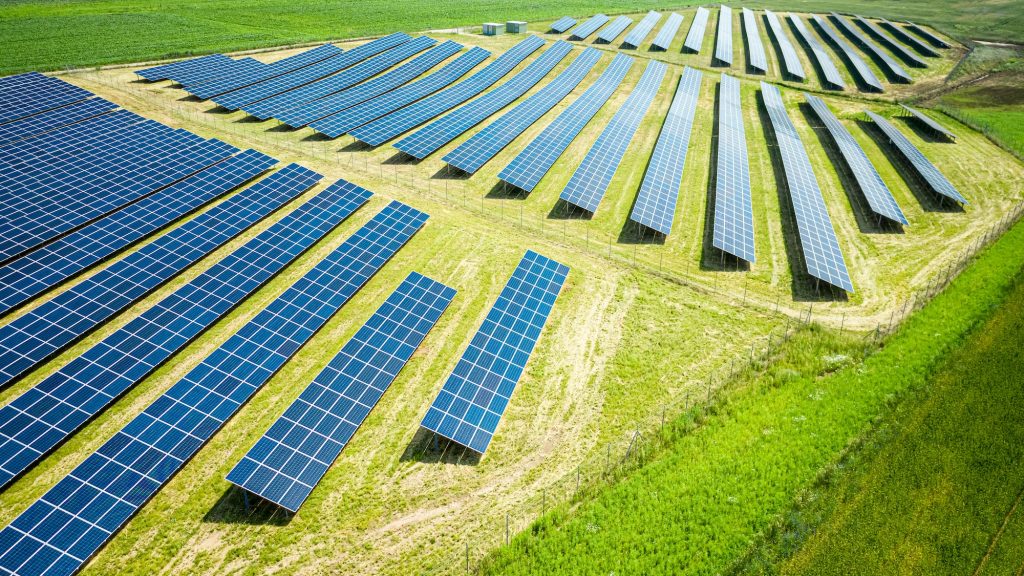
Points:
[(929, 122), (928, 35), (589, 27), (41, 123), (695, 36), (563, 24), (756, 56), (638, 34), (909, 39), (858, 66), (733, 223), (469, 407), (790, 60), (885, 61), (921, 165), (302, 444), (613, 30), (723, 42), (828, 67), (899, 49), (668, 31)]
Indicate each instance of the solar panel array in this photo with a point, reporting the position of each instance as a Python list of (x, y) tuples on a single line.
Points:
[(469, 407), (613, 30), (589, 27), (49, 265), (43, 417), (289, 459), (53, 119), (695, 37), (860, 67), (879, 197), (668, 32), (527, 168), (822, 255), (563, 24), (32, 93), (928, 35), (328, 105), (32, 338), (908, 39), (360, 114), (171, 70), (250, 75), (75, 518), (637, 35), (230, 68), (890, 43), (936, 181), (929, 122), (828, 67), (428, 139), (887, 62), (655, 206), (733, 228), (478, 150), (723, 44), (755, 48), (387, 127), (590, 181), (790, 60)]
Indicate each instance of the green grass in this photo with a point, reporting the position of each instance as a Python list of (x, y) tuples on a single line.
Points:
[(700, 506)]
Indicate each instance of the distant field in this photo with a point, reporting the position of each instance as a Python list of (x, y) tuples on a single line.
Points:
[(46, 35)]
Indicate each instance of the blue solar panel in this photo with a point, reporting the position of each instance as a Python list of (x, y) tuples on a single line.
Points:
[(283, 103), (790, 60), (35, 94), (56, 142), (170, 70), (928, 35), (860, 67), (899, 49), (42, 269), (733, 230), (929, 123), (30, 339), (294, 454), (589, 183), (908, 39), (75, 518), (828, 67), (527, 168), (316, 109), (469, 407), (589, 27), (53, 119), (563, 24), (879, 197), (475, 152), (723, 44), (655, 206), (428, 139), (273, 86), (387, 127), (247, 66), (818, 241), (695, 37), (223, 84), (884, 60), (43, 417), (755, 48), (16, 81), (667, 33), (936, 181), (637, 35), (618, 26), (360, 114)]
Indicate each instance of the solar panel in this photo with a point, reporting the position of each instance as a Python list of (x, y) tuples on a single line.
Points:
[(530, 165), (828, 67), (936, 181), (637, 35), (229, 82), (387, 127), (56, 141), (13, 82), (733, 228), (929, 122), (247, 66), (928, 35), (884, 60), (292, 456), (723, 44), (890, 43), (72, 521), (790, 60), (37, 94), (367, 68), (908, 39), (482, 146), (667, 33), (169, 70), (53, 119), (860, 67), (316, 109), (612, 31), (695, 37), (340, 123), (39, 420), (563, 24), (428, 139), (590, 181), (655, 206), (469, 407), (822, 255), (755, 49), (32, 338), (879, 197), (589, 27)]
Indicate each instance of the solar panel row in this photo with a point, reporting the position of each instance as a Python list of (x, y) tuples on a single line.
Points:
[(822, 255), (430, 138), (590, 181), (929, 123), (695, 37), (231, 68), (530, 165), (295, 453), (563, 24), (859, 66), (755, 48), (928, 35), (879, 197), (171, 70), (936, 181), (226, 83), (589, 27), (790, 60), (75, 518), (57, 142), (43, 417), (37, 93), (828, 67), (478, 150), (723, 44), (890, 43), (895, 72), (637, 35), (469, 407), (613, 30), (667, 33), (908, 39), (655, 206), (53, 119), (733, 228), (32, 338), (351, 118)]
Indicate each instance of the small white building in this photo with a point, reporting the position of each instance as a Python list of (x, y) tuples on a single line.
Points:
[(515, 27), (492, 29)]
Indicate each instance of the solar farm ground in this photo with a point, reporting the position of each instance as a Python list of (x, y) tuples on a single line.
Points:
[(639, 325)]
